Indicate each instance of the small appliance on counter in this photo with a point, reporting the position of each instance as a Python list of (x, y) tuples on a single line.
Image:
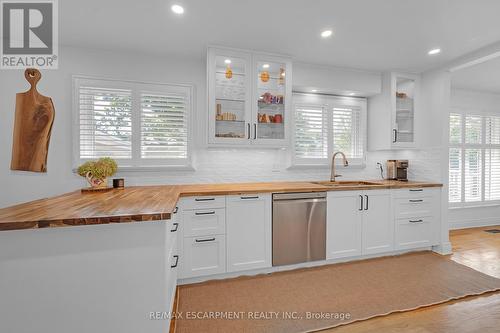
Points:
[(397, 170)]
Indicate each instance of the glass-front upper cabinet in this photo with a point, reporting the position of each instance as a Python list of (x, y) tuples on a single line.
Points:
[(249, 96), (271, 98), (404, 112), (229, 88)]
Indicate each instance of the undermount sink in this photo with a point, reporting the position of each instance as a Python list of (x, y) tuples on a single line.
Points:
[(347, 183)]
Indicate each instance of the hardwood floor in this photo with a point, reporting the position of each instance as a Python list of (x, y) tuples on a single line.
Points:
[(471, 247)]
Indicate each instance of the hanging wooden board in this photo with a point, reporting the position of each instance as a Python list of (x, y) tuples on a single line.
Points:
[(32, 127)]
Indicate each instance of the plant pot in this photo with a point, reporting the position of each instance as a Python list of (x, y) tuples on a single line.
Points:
[(96, 182)]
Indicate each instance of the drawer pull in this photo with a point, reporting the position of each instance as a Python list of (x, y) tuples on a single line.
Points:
[(248, 198), (205, 240), (416, 221), (176, 225), (205, 213), (176, 210), (204, 199), (176, 261), (417, 200), (416, 190)]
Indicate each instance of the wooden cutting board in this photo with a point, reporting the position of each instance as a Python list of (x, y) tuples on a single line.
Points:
[(32, 127)]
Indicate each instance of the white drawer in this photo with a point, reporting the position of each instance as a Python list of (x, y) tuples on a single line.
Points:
[(203, 202), (204, 256), (416, 192), (416, 232), (202, 222), (417, 206)]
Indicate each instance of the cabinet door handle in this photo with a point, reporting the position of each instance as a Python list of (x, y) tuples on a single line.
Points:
[(395, 136), (248, 128), (361, 202), (204, 199), (416, 190), (176, 261), (416, 221), (254, 131), (176, 210), (416, 200), (205, 213), (176, 225), (248, 198), (205, 240), (366, 207)]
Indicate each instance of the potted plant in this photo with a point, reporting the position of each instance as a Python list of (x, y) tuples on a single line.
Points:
[(97, 172)]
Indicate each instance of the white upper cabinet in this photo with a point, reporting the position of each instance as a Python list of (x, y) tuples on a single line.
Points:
[(249, 98), (393, 116)]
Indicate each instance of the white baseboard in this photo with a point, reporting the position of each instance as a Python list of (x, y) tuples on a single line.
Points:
[(484, 222)]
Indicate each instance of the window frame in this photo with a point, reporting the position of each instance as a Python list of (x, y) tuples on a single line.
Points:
[(463, 147), (328, 102), (136, 163)]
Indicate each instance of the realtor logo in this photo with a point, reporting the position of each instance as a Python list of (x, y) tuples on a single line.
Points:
[(29, 34)]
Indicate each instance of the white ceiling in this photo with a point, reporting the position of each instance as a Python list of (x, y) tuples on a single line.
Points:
[(369, 34), (482, 77)]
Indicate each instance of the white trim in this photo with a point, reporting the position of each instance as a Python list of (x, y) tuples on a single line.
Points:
[(135, 163), (474, 223)]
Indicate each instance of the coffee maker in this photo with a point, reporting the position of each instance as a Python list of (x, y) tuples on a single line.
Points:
[(397, 170)]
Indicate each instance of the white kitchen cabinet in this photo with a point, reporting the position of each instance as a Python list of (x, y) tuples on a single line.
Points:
[(393, 115), (249, 228), (249, 98), (359, 223), (202, 222), (344, 220), (417, 213), (204, 255), (378, 222)]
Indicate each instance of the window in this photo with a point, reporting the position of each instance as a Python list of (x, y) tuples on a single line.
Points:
[(474, 158), (138, 124), (326, 124)]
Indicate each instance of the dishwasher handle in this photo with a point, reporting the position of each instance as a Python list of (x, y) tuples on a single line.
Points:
[(317, 200)]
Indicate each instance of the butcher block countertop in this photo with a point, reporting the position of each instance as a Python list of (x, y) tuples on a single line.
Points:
[(148, 203)]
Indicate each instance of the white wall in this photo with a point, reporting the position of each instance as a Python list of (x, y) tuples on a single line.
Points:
[(489, 214), (212, 165), (335, 80)]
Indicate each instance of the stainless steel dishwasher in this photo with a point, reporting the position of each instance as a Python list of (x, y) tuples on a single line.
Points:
[(299, 227)]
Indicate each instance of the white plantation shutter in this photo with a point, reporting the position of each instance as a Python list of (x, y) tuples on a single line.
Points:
[(138, 124), (311, 132), (455, 183), (492, 130), (473, 129), (105, 117), (473, 175), (455, 128), (326, 124), (492, 174), (474, 158), (164, 132), (346, 132)]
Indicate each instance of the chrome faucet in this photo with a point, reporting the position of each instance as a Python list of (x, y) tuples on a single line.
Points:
[(346, 163)]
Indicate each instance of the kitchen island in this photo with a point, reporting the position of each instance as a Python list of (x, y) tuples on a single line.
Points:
[(60, 254)]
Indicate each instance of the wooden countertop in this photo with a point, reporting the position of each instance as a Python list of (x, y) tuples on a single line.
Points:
[(147, 203)]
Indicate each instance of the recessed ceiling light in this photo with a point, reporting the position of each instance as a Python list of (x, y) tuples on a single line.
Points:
[(326, 33), (227, 61), (177, 9), (434, 51), (314, 90), (265, 66)]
